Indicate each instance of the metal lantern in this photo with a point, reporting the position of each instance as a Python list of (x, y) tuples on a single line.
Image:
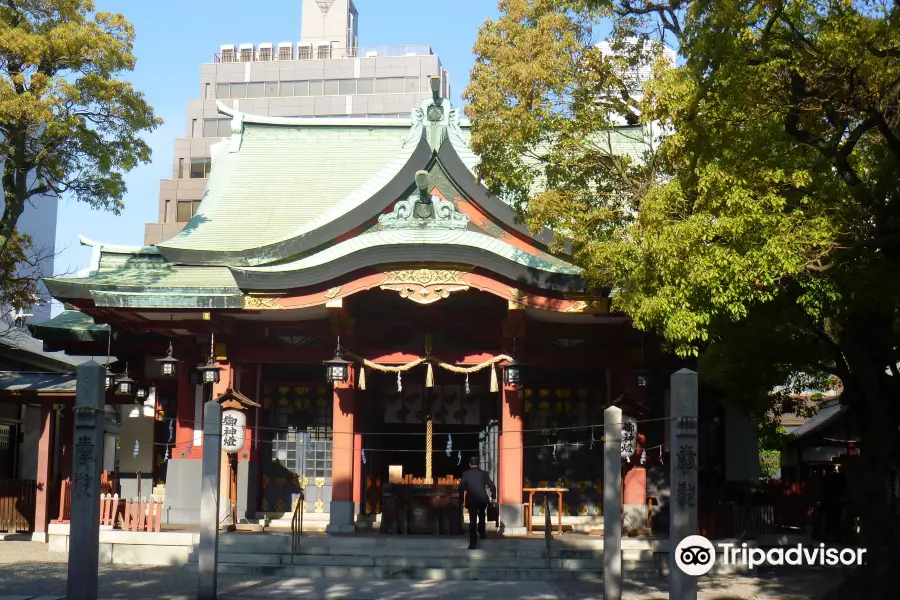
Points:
[(110, 379), (209, 373), (125, 384), (512, 373), (643, 377), (337, 370), (169, 365), (140, 392)]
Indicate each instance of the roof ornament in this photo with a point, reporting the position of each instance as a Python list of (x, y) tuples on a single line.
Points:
[(435, 120), (421, 210)]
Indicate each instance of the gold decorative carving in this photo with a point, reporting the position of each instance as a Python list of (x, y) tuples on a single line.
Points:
[(518, 295), (425, 286), (261, 303), (594, 306), (320, 481), (320, 506), (333, 292)]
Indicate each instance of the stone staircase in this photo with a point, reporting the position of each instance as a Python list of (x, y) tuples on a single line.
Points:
[(423, 557)]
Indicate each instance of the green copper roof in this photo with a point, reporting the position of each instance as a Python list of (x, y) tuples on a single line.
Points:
[(286, 180), (167, 286), (438, 237), (70, 324)]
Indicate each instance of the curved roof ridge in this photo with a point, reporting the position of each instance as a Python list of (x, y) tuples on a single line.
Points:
[(116, 249), (373, 239), (302, 121)]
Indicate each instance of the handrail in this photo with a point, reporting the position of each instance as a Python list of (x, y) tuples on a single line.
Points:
[(312, 52), (548, 528), (297, 520)]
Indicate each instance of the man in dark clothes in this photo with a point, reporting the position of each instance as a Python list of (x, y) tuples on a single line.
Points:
[(473, 484)]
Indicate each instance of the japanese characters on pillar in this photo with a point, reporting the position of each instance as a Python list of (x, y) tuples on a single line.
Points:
[(686, 463), (234, 427)]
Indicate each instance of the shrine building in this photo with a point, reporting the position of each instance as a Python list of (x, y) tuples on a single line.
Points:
[(372, 245)]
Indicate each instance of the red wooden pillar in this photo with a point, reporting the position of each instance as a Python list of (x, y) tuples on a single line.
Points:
[(357, 469), (42, 500), (344, 458), (226, 380), (510, 469), (185, 407)]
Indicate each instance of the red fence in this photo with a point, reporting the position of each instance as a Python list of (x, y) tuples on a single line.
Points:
[(17, 503), (131, 515), (775, 507), (108, 485)]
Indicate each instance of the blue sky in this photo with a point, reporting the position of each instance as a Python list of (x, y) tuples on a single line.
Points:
[(175, 36)]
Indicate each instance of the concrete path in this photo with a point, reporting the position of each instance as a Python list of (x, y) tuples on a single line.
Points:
[(28, 571)]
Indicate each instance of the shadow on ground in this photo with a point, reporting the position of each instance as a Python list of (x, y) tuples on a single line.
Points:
[(28, 569)]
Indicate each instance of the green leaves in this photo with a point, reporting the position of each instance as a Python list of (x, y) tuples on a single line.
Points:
[(68, 123), (777, 168)]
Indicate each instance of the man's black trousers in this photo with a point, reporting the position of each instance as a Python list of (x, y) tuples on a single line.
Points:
[(476, 519)]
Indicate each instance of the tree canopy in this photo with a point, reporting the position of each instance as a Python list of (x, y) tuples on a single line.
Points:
[(756, 221), (69, 125)]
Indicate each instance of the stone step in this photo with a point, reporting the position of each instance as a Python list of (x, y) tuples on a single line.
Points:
[(459, 551), (458, 574), (470, 561)]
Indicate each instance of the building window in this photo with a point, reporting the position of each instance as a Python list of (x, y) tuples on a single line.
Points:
[(412, 85), (301, 88), (318, 452), (332, 87), (206, 91), (286, 89), (347, 87), (238, 90), (365, 86), (271, 89), (315, 88), (256, 90), (382, 86), (398, 85), (223, 90), (180, 168), (210, 128), (200, 168), (184, 212), (186, 209), (224, 128), (195, 128)]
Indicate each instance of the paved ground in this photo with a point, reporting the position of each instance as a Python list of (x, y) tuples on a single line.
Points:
[(28, 570)]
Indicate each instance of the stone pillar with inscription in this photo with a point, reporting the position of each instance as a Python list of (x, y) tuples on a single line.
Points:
[(683, 452), (84, 528), (208, 553), (612, 503)]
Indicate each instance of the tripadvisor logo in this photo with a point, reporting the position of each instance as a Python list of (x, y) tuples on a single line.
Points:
[(695, 555)]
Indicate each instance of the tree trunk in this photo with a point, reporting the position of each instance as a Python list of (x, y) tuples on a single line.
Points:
[(872, 479)]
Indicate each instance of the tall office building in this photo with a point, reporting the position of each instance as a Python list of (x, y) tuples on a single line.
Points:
[(325, 75)]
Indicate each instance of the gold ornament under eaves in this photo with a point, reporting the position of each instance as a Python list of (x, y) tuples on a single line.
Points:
[(425, 286), (261, 303)]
